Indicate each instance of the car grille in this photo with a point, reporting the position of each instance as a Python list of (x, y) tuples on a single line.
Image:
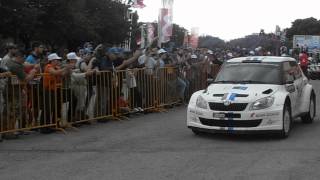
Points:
[(231, 115), (230, 123), (231, 107)]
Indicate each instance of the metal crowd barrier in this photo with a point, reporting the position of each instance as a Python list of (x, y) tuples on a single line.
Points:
[(26, 106), (76, 99)]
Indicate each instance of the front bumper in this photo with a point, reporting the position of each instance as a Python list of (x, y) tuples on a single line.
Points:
[(246, 121), (235, 132)]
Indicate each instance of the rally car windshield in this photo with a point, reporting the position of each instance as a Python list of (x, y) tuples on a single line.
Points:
[(250, 73)]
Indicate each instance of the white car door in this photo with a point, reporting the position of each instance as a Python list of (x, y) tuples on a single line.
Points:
[(298, 79), (300, 82), (291, 86)]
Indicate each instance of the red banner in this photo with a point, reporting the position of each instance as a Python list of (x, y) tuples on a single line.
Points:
[(138, 4)]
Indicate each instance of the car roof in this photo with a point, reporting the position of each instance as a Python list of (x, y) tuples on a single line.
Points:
[(266, 59)]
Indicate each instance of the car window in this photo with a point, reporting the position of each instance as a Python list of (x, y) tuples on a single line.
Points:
[(257, 73), (288, 72)]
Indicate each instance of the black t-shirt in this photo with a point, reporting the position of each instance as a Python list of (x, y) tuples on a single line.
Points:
[(104, 78), (118, 62), (105, 64)]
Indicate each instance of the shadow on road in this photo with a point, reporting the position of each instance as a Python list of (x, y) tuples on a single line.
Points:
[(298, 129)]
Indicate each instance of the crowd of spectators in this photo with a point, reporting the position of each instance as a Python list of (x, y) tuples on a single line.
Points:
[(75, 77)]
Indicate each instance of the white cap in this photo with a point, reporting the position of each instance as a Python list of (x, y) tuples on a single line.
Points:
[(193, 56), (161, 51), (210, 52), (53, 56), (72, 55)]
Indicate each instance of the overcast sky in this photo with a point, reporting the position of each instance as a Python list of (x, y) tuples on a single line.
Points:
[(229, 19)]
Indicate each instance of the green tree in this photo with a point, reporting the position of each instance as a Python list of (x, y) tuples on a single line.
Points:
[(267, 42), (61, 22), (178, 33), (211, 42), (308, 26)]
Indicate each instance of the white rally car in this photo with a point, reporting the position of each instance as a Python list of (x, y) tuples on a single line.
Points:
[(253, 94)]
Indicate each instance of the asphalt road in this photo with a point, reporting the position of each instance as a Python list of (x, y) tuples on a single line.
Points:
[(159, 146)]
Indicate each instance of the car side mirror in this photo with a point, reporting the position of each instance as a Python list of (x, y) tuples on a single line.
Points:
[(210, 81), (290, 86)]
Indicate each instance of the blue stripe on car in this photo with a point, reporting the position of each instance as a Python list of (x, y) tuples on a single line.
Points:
[(233, 96)]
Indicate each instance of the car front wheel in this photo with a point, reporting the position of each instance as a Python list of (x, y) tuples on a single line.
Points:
[(286, 122), (309, 116)]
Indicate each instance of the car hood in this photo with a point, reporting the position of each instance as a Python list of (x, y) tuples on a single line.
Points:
[(244, 93)]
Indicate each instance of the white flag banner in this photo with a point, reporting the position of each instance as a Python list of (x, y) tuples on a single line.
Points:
[(143, 42), (165, 21), (167, 4), (150, 31), (165, 26)]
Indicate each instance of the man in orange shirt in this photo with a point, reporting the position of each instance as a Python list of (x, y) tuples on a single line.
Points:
[(52, 90)]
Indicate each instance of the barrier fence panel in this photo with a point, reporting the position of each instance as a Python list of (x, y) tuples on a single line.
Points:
[(161, 86), (147, 89), (135, 88), (173, 87), (87, 98), (52, 102), (120, 93), (26, 106)]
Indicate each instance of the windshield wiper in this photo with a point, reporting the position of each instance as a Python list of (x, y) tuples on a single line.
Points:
[(232, 82), (251, 82)]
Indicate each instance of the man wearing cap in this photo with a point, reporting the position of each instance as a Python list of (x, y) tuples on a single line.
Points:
[(52, 91), (78, 86), (162, 56), (103, 60), (119, 63), (103, 63)]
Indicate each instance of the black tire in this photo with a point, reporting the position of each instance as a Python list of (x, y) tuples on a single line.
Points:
[(312, 76), (286, 114), (308, 117), (196, 132)]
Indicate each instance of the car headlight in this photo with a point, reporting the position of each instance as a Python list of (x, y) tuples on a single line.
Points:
[(202, 103), (263, 103)]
